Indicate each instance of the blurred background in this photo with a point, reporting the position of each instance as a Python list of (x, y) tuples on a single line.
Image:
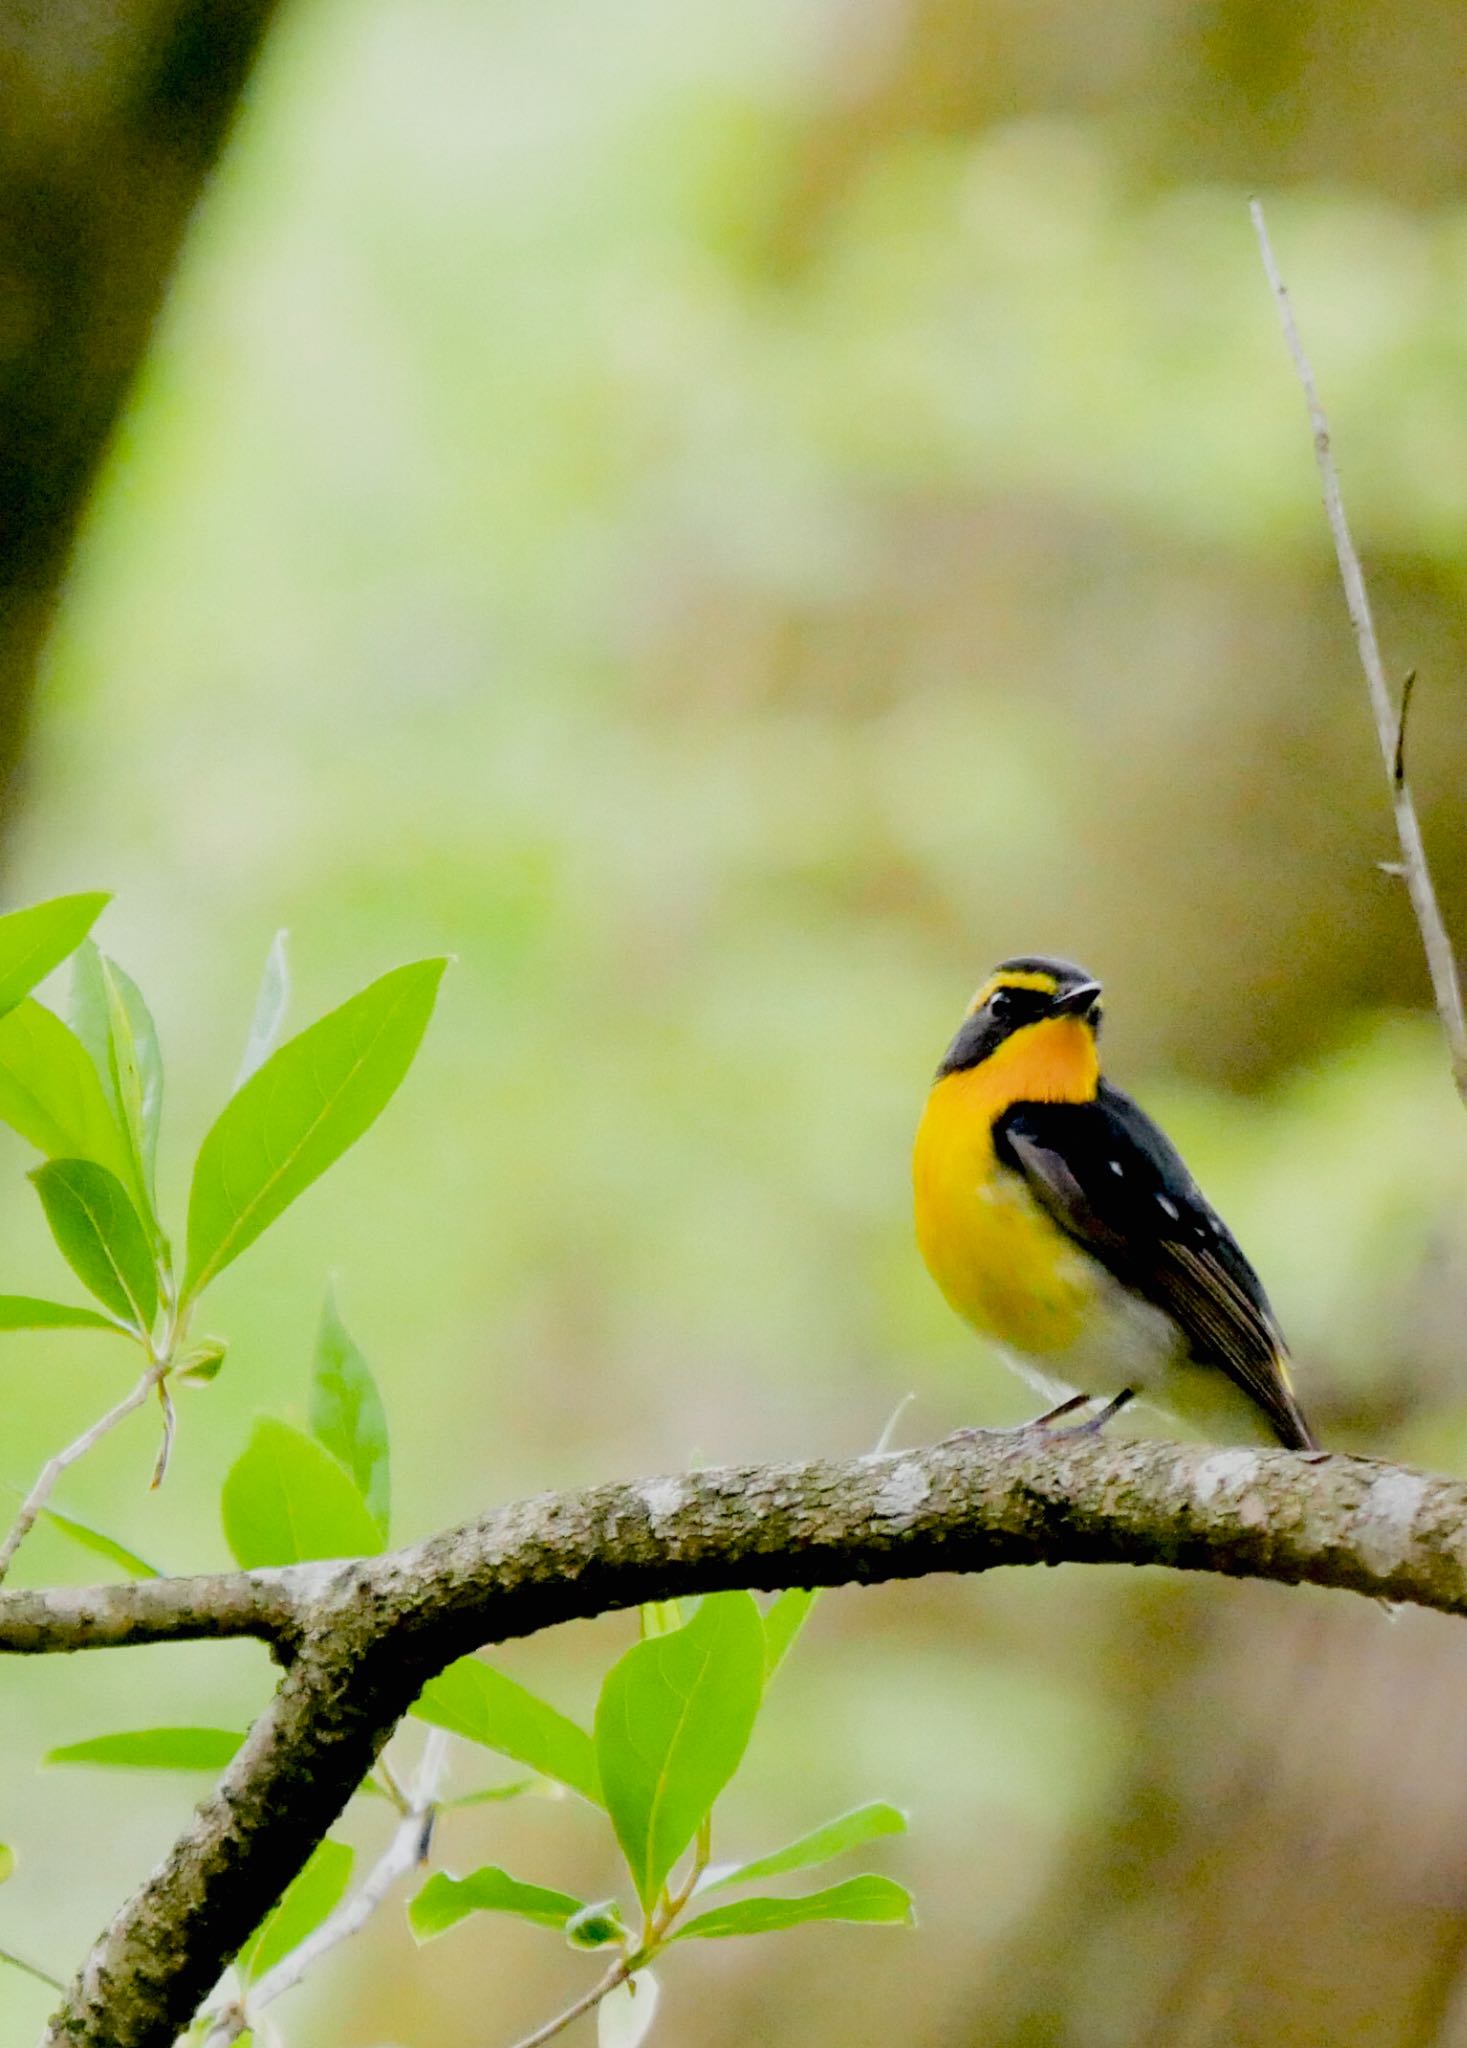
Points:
[(730, 519)]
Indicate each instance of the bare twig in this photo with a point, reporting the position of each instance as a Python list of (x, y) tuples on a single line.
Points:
[(1398, 772), (1390, 725), (31, 1969), (617, 1974), (53, 1468), (407, 1851)]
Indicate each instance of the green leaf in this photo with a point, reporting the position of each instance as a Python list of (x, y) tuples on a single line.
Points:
[(88, 1538), (661, 1617), (86, 1010), (874, 1899), (783, 1620), (596, 1925), (861, 1824), (674, 1718), (491, 1795), (153, 1749), (445, 1900), (201, 1362), (51, 1093), (101, 1237), (269, 1014), (135, 1069), (347, 1413), (7, 1861), (286, 1499), (624, 2017), (25, 1312), (299, 1113), (316, 1891), (34, 940), (475, 1700)]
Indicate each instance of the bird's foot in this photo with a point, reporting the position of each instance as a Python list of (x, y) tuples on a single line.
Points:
[(1050, 1415), (1097, 1423)]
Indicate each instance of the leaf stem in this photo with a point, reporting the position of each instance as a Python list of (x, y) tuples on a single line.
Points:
[(51, 1471), (672, 1903), (170, 1425), (653, 1932), (619, 1972), (390, 1785)]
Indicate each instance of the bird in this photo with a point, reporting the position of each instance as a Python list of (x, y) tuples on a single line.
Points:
[(1062, 1224)]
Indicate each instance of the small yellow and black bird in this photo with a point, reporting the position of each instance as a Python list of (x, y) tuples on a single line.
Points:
[(1061, 1223)]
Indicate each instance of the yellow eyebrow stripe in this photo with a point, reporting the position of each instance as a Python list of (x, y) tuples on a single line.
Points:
[(1045, 984)]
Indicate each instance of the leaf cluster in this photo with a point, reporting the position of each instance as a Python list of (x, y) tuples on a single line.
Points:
[(675, 1714), (673, 1721), (88, 1095)]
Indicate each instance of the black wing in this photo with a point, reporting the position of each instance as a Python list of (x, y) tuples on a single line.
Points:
[(1113, 1182)]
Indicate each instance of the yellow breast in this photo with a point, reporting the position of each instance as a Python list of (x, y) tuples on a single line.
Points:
[(998, 1259)]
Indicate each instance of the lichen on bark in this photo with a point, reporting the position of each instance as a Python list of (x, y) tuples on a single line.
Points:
[(359, 1639)]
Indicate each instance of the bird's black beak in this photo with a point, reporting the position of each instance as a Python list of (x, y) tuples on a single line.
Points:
[(1078, 1001)]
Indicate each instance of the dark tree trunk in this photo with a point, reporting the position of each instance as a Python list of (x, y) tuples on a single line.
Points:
[(114, 113)]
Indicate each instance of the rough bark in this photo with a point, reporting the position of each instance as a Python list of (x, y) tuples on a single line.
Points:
[(360, 1639)]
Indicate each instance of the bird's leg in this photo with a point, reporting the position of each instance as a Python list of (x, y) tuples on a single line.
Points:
[(1053, 1414), (1097, 1422), (960, 1436)]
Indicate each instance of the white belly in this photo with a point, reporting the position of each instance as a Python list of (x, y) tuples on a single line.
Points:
[(1123, 1342), (1126, 1343)]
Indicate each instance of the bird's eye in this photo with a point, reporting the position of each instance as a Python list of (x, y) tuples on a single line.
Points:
[(1001, 1003)]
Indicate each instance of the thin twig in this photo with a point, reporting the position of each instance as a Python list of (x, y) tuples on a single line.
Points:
[(1390, 726), (884, 1442), (1398, 773), (401, 1800), (53, 1468), (31, 1969), (617, 1974), (165, 1448), (407, 1850)]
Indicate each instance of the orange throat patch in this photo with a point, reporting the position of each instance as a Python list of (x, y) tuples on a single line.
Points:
[(1055, 1060), (1003, 1265)]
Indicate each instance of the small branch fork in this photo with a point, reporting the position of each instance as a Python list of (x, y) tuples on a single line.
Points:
[(35, 1501), (358, 1640), (630, 1967), (406, 1852), (1390, 724)]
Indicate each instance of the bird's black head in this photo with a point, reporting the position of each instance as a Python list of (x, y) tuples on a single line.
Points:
[(1019, 993)]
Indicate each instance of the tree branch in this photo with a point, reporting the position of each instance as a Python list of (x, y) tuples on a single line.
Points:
[(267, 1604), (1390, 725), (407, 1851), (362, 1638)]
